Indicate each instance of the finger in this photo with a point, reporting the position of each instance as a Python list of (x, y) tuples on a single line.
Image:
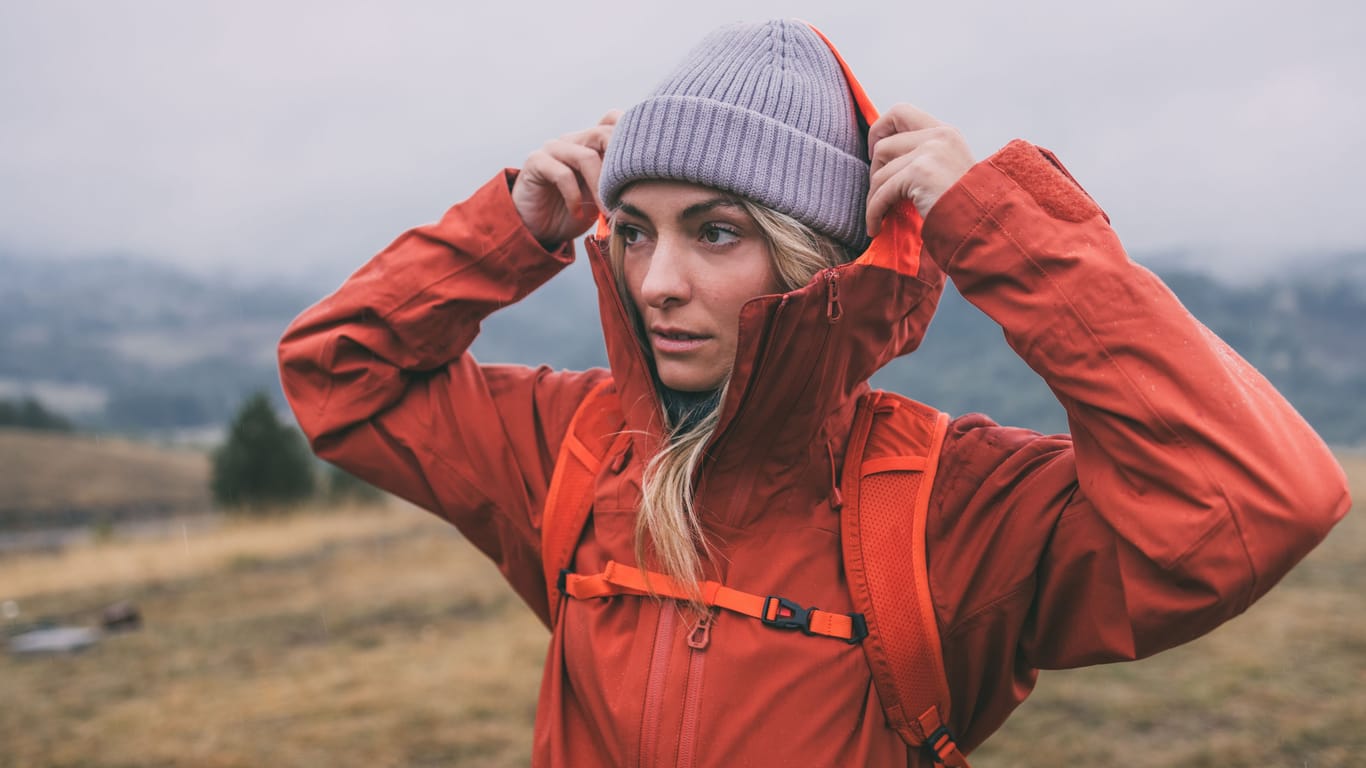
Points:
[(571, 153), (585, 163), (898, 145), (900, 118), (887, 171), (598, 138), (591, 171), (567, 182), (588, 166), (594, 138), (895, 184)]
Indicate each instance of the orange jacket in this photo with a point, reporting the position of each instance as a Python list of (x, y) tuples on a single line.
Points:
[(1187, 488)]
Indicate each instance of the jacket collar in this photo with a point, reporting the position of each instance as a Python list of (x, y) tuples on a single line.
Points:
[(801, 361), (802, 358)]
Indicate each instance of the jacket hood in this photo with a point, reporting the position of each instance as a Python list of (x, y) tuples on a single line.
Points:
[(802, 357)]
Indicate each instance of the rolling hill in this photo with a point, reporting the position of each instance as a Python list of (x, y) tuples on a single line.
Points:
[(49, 479), (127, 345)]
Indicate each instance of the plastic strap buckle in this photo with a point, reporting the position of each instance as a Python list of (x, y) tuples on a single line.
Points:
[(940, 743), (788, 615)]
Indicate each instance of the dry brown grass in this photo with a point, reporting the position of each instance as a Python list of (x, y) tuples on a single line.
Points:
[(191, 550), (378, 637), (364, 637), (52, 471)]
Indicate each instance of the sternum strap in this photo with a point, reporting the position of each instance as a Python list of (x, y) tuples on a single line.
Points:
[(776, 612)]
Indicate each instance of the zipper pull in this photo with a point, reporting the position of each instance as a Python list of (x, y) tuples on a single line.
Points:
[(833, 310), (700, 636)]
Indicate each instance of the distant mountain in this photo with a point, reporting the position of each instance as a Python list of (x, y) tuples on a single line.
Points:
[(1303, 332), (123, 344)]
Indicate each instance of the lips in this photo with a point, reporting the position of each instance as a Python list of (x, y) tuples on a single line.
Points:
[(667, 340)]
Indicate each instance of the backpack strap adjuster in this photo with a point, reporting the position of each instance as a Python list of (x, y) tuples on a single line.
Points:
[(795, 616), (941, 744), (859, 629)]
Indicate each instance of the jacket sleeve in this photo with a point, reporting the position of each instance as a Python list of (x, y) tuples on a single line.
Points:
[(380, 380), (1187, 489)]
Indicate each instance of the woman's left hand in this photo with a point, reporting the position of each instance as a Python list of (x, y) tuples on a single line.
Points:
[(914, 157)]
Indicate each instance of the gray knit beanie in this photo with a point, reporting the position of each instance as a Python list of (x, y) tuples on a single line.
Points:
[(763, 111)]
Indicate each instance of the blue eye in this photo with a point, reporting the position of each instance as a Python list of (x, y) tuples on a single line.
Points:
[(718, 235)]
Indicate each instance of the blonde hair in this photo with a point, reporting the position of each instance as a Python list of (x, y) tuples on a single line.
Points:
[(668, 517)]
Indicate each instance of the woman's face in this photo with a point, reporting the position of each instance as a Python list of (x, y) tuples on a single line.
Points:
[(693, 257)]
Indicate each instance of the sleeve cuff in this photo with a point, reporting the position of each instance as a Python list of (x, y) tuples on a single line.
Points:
[(505, 223)]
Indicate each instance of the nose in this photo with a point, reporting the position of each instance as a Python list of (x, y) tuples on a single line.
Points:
[(666, 280)]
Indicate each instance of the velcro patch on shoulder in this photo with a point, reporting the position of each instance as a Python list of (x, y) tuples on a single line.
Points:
[(1039, 173)]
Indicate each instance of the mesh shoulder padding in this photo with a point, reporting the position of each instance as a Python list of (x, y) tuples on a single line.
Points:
[(894, 571), (889, 472)]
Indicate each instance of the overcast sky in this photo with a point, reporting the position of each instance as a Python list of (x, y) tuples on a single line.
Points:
[(264, 139)]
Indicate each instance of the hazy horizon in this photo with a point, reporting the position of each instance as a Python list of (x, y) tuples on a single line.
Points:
[(295, 140)]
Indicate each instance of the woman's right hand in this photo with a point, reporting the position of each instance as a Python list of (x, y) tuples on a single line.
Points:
[(556, 193)]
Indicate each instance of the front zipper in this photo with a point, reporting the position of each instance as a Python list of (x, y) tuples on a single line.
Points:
[(655, 680), (698, 640)]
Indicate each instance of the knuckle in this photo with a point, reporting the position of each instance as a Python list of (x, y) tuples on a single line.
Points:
[(920, 165), (951, 135)]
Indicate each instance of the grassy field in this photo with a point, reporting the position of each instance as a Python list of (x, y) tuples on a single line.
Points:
[(374, 637), (49, 475)]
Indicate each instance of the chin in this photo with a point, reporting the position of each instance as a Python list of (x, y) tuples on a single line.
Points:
[(688, 380)]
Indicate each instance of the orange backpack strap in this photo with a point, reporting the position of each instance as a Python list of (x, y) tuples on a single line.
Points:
[(594, 433), (888, 473)]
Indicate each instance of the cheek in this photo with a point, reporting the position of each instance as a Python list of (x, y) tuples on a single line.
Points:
[(632, 277), (754, 276), (731, 289)]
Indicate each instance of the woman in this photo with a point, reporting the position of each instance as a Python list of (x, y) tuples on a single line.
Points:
[(740, 339)]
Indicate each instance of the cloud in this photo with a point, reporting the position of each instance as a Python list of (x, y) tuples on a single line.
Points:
[(294, 138)]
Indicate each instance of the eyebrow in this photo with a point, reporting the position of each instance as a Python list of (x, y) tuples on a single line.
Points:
[(692, 211)]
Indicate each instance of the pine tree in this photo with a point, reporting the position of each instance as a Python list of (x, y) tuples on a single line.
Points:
[(264, 462), (29, 413)]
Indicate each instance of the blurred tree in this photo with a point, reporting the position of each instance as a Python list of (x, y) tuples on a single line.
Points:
[(263, 463), (31, 414)]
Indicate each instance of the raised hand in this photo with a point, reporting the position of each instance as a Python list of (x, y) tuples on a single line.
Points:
[(556, 192), (914, 157)]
